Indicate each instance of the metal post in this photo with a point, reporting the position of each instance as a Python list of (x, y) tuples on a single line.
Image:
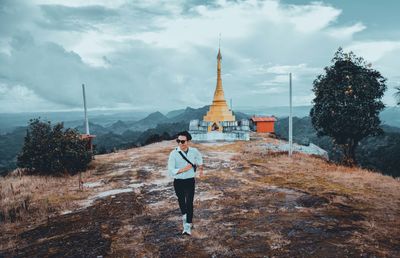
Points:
[(80, 180), (290, 117), (231, 105), (84, 105)]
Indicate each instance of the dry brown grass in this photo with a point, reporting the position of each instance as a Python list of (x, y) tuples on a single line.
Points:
[(26, 197), (375, 195), (234, 196), (29, 197), (221, 147), (28, 200)]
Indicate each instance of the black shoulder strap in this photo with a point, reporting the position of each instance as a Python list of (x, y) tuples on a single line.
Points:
[(183, 156)]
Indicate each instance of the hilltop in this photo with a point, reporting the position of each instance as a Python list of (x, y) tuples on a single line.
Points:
[(251, 202)]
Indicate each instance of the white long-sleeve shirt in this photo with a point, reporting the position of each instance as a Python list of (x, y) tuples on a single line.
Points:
[(176, 162)]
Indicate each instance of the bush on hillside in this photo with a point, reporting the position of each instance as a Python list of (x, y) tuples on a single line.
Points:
[(53, 150)]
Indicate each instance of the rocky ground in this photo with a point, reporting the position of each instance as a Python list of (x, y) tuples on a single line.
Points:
[(250, 203)]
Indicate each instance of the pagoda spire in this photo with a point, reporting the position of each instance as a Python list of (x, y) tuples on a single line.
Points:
[(219, 91), (219, 110)]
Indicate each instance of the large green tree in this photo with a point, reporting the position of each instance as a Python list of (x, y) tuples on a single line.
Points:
[(53, 150), (347, 102)]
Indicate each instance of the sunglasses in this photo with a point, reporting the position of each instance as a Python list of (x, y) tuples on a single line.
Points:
[(180, 141)]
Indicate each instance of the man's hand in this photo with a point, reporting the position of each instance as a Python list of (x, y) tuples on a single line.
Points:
[(182, 170), (201, 171)]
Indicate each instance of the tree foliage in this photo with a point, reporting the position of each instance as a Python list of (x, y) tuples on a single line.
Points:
[(347, 102), (53, 150)]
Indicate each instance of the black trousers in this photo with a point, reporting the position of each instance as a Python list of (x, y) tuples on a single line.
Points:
[(184, 189)]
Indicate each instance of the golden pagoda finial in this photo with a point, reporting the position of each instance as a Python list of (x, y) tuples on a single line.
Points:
[(219, 56), (219, 110)]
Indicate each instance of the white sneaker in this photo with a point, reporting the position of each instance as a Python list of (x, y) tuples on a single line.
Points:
[(187, 229), (184, 216)]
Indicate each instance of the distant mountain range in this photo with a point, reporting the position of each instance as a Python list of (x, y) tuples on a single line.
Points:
[(119, 121), (299, 111), (126, 133), (389, 116), (9, 121), (152, 120)]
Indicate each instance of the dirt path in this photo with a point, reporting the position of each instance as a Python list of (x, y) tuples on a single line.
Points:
[(243, 208)]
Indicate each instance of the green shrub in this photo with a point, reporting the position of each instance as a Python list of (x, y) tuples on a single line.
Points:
[(53, 150)]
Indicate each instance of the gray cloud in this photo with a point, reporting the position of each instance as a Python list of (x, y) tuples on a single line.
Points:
[(162, 54), (59, 17), (11, 16), (140, 76)]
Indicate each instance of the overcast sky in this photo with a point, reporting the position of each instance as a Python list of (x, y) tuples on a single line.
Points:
[(161, 55)]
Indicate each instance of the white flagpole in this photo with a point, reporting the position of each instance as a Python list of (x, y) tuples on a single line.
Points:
[(84, 105), (290, 117)]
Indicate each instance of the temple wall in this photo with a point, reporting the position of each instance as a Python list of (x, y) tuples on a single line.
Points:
[(218, 136), (231, 131)]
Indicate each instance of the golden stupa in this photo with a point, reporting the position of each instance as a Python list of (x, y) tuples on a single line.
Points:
[(219, 111)]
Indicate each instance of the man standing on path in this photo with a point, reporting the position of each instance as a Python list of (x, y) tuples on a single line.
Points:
[(183, 163)]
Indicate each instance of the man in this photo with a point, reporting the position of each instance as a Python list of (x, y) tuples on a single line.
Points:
[(183, 163)]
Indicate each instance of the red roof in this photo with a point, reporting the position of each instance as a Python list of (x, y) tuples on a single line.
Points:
[(263, 119), (86, 136)]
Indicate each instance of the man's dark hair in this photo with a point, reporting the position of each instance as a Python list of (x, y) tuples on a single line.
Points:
[(186, 134)]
